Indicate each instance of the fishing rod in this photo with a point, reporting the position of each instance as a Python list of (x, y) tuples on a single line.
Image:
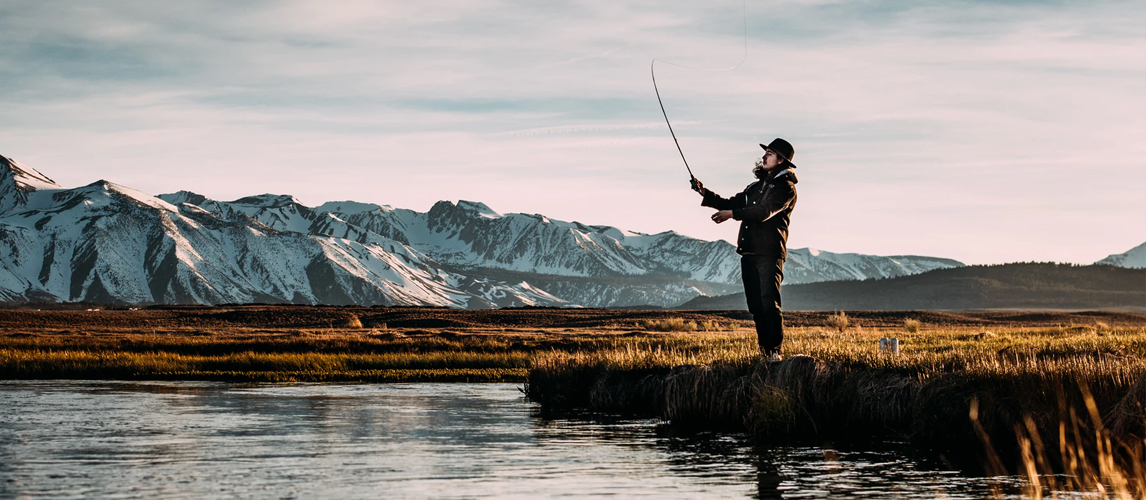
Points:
[(652, 69), (653, 72)]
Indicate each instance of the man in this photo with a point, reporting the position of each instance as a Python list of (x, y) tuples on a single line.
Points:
[(764, 209)]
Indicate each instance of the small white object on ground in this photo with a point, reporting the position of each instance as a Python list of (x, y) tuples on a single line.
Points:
[(890, 346)]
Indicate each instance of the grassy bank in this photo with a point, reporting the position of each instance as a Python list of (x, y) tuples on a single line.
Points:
[(313, 344), (333, 355), (842, 382), (1084, 385), (264, 366)]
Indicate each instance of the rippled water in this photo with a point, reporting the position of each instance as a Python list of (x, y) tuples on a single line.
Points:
[(214, 440)]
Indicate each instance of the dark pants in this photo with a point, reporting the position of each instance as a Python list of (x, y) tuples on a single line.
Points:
[(762, 276)]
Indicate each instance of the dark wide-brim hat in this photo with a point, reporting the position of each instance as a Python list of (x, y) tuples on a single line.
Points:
[(783, 149)]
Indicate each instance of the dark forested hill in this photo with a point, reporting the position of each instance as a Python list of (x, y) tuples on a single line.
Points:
[(1006, 286)]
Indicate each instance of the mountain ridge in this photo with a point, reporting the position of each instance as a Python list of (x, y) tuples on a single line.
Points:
[(110, 243)]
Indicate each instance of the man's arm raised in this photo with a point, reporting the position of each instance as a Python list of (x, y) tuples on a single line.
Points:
[(714, 200)]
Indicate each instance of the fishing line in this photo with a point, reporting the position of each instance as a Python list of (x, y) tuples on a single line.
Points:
[(653, 71)]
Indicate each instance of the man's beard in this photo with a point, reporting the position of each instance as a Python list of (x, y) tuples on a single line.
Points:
[(759, 172)]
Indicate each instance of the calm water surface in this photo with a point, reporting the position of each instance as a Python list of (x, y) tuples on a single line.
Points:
[(213, 440)]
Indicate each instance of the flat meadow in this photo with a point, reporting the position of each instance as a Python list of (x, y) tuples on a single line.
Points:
[(295, 343)]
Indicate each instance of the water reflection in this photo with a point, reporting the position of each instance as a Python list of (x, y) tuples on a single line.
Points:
[(213, 440), (886, 471)]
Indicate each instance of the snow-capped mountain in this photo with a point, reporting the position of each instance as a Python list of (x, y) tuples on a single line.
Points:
[(1135, 258), (108, 243), (808, 265)]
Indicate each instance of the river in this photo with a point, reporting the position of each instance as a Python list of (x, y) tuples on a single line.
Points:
[(71, 439)]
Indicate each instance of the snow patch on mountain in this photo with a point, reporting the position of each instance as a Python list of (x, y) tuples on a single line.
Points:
[(480, 209), (18, 182), (25, 177), (1135, 258), (810, 265)]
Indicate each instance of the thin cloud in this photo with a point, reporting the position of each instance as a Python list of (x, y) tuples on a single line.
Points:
[(586, 128), (896, 108)]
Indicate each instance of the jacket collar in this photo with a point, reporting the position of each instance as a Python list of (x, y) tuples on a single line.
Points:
[(788, 172)]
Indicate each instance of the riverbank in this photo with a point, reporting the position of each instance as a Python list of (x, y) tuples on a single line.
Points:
[(1024, 373), (1034, 400)]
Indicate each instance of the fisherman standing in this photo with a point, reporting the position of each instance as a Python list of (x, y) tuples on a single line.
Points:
[(764, 209)]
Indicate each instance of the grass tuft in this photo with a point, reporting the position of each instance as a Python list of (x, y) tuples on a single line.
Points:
[(911, 325), (839, 321), (668, 325), (353, 322)]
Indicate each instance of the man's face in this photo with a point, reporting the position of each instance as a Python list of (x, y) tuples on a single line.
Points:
[(770, 160)]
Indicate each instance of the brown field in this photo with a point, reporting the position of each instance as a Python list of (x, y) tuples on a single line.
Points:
[(303, 343), (271, 317)]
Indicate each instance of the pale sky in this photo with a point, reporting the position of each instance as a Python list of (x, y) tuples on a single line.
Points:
[(987, 132)]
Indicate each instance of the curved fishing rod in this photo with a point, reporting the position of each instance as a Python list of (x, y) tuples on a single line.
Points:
[(653, 72)]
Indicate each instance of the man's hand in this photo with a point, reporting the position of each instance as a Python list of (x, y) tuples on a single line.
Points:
[(697, 185), (721, 216)]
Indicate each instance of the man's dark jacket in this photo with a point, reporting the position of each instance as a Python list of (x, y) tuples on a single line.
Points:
[(764, 209)]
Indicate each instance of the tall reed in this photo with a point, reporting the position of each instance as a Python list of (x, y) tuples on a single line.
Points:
[(1084, 459)]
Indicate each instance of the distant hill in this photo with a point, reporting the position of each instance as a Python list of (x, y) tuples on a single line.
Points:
[(1006, 286)]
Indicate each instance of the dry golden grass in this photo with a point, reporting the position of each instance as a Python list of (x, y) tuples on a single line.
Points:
[(1111, 350), (36, 361), (1090, 460), (839, 321), (304, 354), (683, 325), (911, 325), (353, 322), (668, 325), (844, 383), (1009, 351)]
